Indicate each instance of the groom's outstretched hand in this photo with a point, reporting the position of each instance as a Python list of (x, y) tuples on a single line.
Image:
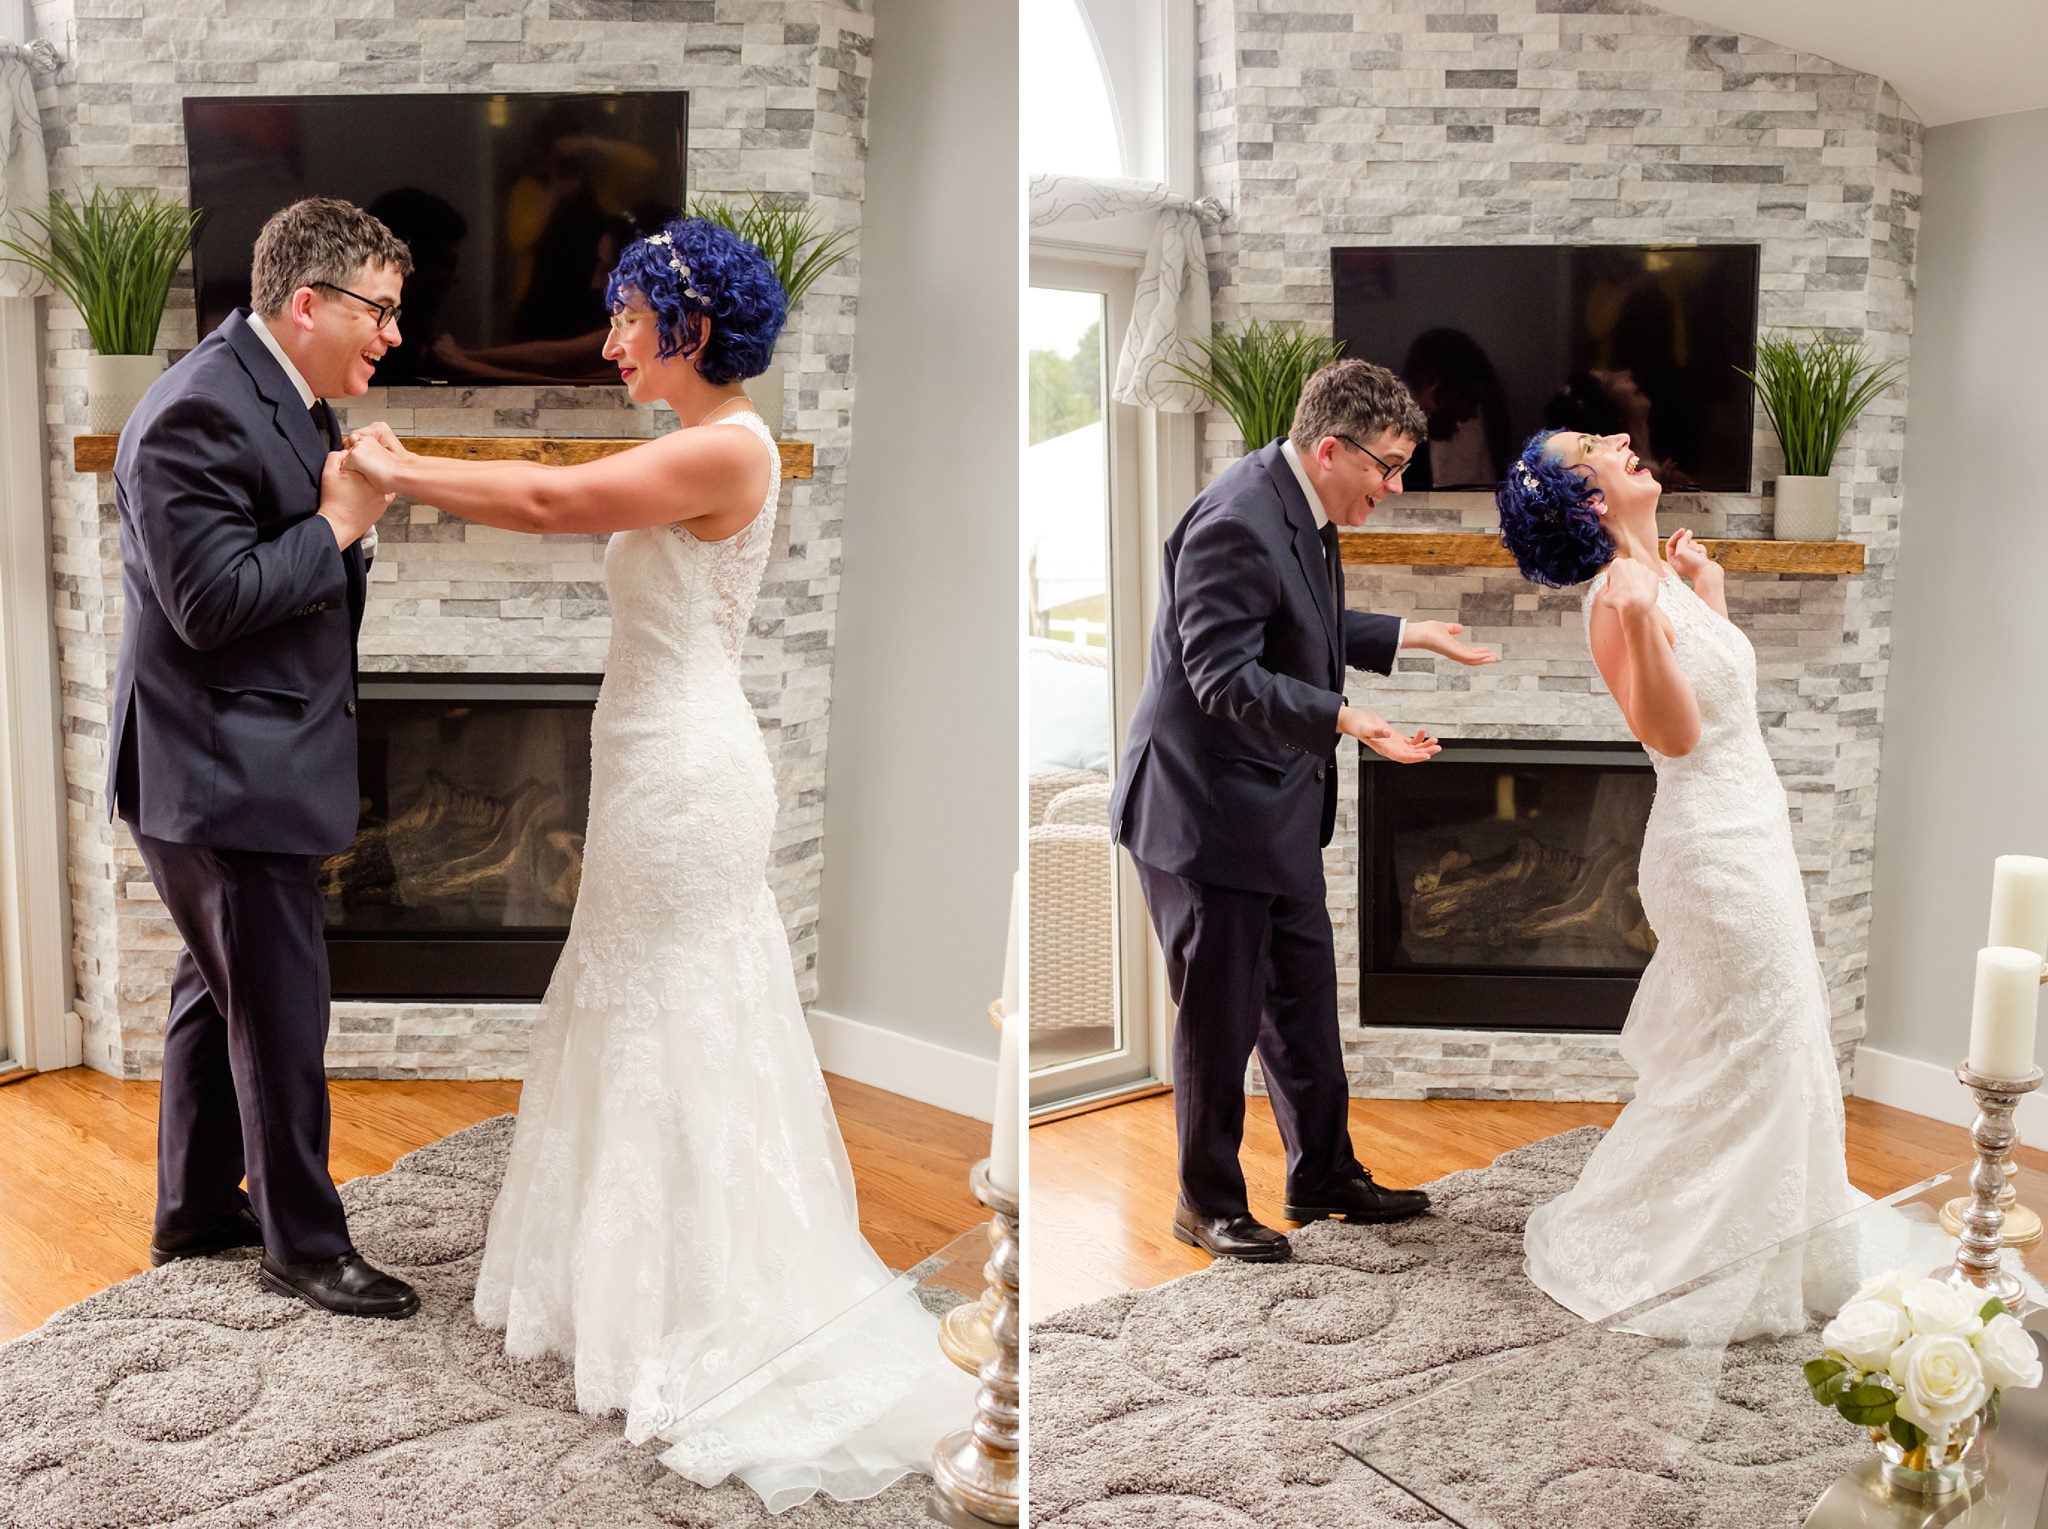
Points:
[(1441, 638), (1378, 734)]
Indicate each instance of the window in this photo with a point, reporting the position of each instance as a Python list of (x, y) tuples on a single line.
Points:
[(1085, 996), (1069, 121)]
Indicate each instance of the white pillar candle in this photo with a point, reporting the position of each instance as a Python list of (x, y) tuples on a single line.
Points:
[(1012, 955), (2019, 903), (1002, 1157), (2004, 1011)]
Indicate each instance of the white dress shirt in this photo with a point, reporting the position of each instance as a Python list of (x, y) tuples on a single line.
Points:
[(1315, 508), (291, 372)]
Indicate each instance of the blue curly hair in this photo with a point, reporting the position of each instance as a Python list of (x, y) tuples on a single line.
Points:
[(1549, 518), (729, 282)]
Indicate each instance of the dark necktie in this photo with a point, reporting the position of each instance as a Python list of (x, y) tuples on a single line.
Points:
[(1333, 564), (325, 423), (1333, 568)]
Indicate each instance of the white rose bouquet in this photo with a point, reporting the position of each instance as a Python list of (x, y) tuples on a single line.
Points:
[(1914, 1361)]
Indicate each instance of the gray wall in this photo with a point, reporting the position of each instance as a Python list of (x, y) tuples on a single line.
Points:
[(1966, 737), (921, 817)]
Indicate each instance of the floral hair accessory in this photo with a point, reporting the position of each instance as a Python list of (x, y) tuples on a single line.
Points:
[(676, 264)]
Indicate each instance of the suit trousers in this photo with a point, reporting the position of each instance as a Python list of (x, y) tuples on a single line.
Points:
[(244, 1072), (1251, 971)]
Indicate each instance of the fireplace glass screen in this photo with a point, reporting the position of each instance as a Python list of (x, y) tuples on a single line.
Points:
[(1499, 886), (469, 852)]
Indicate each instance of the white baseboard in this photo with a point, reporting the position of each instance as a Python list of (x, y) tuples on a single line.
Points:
[(1930, 1089), (902, 1064)]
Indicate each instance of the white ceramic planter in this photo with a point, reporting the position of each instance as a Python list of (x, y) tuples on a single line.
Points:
[(766, 392), (1808, 509), (114, 385)]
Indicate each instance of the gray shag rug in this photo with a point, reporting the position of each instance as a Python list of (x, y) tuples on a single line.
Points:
[(191, 1395), (1216, 1400)]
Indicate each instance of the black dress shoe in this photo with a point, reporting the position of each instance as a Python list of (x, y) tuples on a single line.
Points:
[(1357, 1199), (1240, 1236), (348, 1285), (241, 1231)]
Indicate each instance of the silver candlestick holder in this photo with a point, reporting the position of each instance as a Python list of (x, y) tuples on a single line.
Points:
[(975, 1471), (2022, 1226), (1977, 1265), (964, 1335)]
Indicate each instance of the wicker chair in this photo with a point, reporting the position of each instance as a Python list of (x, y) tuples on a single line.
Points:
[(1071, 866), (1073, 921), (1043, 788)]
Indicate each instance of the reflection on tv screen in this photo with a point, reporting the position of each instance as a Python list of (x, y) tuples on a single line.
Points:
[(515, 207), (1500, 341)]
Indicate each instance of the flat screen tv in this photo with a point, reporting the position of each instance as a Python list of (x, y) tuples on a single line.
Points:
[(515, 208), (1500, 341)]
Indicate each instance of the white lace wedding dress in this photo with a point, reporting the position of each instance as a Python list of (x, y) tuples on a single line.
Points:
[(1734, 1139), (678, 1206)]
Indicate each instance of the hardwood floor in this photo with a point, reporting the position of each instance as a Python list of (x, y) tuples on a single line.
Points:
[(78, 1171), (1102, 1184)]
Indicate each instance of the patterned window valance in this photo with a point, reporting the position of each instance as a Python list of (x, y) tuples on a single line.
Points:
[(24, 167), (1172, 305)]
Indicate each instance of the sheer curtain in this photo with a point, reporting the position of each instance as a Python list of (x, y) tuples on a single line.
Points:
[(36, 1027), (24, 168)]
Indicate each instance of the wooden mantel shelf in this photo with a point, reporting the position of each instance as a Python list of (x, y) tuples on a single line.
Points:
[(1466, 549), (95, 453)]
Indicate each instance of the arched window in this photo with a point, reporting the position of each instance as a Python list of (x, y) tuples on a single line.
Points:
[(1069, 115)]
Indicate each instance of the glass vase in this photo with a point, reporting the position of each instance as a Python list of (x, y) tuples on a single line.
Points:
[(1933, 1471)]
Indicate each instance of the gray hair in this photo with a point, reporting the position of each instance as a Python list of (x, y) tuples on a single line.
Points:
[(1354, 398), (314, 241)]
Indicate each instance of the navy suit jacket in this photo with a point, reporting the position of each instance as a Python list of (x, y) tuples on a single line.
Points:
[(1229, 771), (234, 695)]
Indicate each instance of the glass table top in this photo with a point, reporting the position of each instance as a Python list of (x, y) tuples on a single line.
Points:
[(907, 1310), (1688, 1411)]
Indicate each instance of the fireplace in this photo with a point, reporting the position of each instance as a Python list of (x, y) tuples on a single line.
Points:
[(1497, 886), (466, 862)]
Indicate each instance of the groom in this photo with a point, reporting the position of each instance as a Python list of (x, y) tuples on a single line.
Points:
[(1227, 794), (233, 754)]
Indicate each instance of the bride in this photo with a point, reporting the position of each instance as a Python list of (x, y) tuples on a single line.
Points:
[(678, 1208), (1734, 1140)]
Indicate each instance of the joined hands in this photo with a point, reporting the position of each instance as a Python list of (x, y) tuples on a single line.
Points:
[(350, 502), (375, 453)]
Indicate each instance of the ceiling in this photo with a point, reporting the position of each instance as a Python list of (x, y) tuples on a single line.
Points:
[(1949, 62)]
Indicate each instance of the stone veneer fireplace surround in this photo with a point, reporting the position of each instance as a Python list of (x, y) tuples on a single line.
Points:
[(1325, 123), (778, 102)]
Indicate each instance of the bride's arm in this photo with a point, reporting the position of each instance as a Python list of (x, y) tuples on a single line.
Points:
[(1633, 651), (1698, 570), (714, 479)]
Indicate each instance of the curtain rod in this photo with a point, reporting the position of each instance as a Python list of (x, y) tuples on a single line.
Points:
[(41, 55)]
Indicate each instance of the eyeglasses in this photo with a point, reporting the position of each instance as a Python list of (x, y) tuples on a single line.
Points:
[(387, 313), (1389, 473)]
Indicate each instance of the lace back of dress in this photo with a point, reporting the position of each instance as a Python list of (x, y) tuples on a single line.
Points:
[(732, 569)]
